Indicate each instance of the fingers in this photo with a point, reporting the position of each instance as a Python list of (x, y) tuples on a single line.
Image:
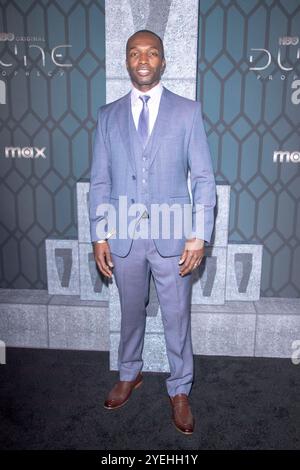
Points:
[(192, 261), (108, 259), (183, 257), (103, 259), (188, 263)]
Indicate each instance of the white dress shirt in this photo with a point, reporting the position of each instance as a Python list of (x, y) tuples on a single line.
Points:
[(153, 104)]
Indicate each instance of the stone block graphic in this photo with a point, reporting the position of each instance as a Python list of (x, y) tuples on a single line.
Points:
[(220, 232), (82, 195), (93, 285), (62, 266), (209, 279), (243, 272)]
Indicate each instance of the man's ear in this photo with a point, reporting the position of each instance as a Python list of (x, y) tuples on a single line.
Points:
[(163, 66)]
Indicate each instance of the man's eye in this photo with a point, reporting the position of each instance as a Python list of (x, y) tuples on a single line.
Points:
[(133, 54), (153, 53)]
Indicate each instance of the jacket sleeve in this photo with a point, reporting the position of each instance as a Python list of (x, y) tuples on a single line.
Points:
[(203, 186), (100, 178)]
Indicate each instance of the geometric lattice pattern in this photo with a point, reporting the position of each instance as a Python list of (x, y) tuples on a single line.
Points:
[(38, 196), (246, 120)]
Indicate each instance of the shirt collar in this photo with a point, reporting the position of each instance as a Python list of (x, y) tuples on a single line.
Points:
[(154, 92)]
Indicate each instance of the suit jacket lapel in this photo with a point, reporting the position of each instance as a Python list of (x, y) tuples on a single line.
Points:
[(124, 116), (162, 123)]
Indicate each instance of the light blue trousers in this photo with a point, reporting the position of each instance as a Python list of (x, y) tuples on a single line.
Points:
[(132, 274)]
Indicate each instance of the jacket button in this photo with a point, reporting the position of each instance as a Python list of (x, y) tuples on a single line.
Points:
[(133, 177), (132, 200)]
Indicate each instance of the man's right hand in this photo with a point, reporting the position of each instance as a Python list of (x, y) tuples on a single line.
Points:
[(103, 258)]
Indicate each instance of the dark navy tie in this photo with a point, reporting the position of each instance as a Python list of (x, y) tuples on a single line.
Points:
[(143, 125)]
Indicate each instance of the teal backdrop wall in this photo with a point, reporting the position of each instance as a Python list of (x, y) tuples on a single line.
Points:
[(38, 196), (248, 115)]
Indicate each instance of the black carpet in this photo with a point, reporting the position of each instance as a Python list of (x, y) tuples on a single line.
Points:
[(53, 399)]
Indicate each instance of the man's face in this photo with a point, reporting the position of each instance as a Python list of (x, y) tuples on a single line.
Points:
[(144, 61)]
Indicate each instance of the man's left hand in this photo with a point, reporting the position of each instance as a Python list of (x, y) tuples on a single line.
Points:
[(191, 256)]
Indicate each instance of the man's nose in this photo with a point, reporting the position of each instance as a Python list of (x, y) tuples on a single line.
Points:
[(143, 58)]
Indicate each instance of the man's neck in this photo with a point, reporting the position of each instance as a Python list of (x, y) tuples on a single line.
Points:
[(149, 89)]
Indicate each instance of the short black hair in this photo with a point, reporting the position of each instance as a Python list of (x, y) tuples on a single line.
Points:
[(151, 32)]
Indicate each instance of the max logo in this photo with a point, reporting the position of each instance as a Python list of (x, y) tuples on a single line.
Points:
[(285, 156), (25, 152)]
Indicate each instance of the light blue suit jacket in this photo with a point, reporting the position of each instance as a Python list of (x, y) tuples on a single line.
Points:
[(179, 144)]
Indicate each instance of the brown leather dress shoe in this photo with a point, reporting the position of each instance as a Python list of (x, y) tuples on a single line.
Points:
[(121, 391), (181, 413)]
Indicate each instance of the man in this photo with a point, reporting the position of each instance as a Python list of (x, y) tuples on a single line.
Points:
[(145, 143)]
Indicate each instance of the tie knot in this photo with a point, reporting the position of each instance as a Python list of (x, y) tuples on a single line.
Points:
[(144, 98)]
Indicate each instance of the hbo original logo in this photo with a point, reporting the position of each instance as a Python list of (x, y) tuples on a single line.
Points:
[(7, 36)]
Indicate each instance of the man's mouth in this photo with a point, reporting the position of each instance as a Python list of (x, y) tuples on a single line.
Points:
[(143, 72)]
